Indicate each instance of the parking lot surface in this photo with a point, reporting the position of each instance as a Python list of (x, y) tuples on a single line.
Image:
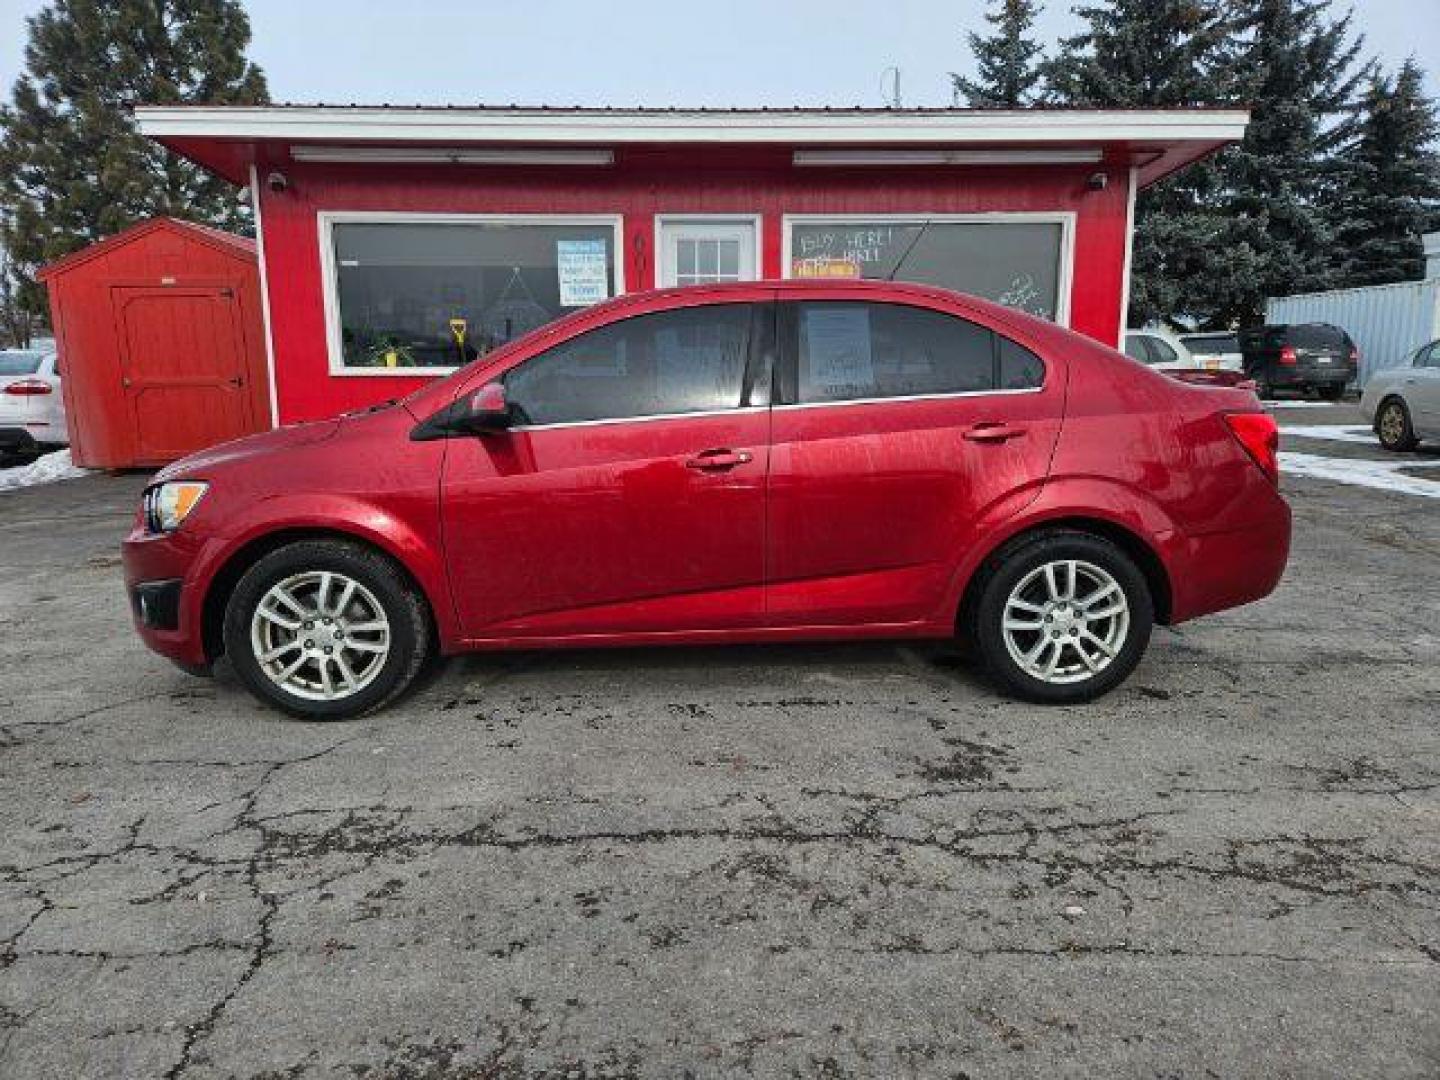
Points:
[(813, 861)]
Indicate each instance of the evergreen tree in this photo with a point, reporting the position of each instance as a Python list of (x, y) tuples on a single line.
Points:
[(1298, 71), (73, 168), (1160, 54), (1389, 191), (1007, 63)]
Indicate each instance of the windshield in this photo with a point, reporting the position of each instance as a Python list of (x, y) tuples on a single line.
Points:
[(1221, 343), (20, 361)]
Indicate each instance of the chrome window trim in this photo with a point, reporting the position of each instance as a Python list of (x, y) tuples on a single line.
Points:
[(913, 397), (737, 411)]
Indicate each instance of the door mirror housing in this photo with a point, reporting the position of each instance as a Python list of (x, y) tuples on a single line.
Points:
[(476, 413)]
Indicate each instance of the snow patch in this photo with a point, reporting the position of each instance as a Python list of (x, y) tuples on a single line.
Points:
[(1332, 433), (1382, 475), (43, 470), (1301, 404)]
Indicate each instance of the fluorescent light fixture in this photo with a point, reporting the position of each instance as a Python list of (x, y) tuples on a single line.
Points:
[(449, 155), (947, 157)]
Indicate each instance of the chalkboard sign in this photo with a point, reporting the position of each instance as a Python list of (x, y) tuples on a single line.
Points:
[(1014, 263)]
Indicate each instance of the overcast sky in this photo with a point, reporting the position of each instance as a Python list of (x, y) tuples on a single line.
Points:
[(649, 52)]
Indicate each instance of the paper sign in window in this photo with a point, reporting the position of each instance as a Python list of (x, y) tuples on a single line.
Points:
[(584, 277), (836, 345)]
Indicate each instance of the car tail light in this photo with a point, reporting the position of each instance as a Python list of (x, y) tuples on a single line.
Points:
[(1287, 355), (1354, 356), (1260, 436), (29, 388)]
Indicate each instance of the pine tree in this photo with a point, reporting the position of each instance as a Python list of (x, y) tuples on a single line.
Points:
[(1007, 63), (1389, 190), (73, 168), (1159, 54), (1299, 71)]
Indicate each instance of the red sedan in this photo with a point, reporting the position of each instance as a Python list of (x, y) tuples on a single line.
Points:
[(764, 462)]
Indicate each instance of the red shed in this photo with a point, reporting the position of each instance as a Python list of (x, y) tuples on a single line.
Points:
[(398, 241), (161, 343)]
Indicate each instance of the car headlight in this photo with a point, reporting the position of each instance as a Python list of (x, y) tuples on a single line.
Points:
[(167, 505)]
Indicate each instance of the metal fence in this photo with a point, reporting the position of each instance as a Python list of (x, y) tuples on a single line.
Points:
[(1387, 322)]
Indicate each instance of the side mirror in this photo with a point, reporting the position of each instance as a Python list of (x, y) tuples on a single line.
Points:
[(484, 410)]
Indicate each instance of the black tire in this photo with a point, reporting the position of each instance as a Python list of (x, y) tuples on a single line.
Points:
[(1332, 392), (403, 606), (1393, 427), (1010, 567)]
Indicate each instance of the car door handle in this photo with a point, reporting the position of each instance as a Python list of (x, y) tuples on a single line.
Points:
[(993, 432), (708, 460)]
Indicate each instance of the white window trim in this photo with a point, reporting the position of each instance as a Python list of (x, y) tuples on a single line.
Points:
[(274, 392), (1064, 218), (326, 220), (755, 220), (1134, 180)]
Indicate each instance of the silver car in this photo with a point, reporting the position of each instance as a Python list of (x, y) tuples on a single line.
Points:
[(1403, 403)]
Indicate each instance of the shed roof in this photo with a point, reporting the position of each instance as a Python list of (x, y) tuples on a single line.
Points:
[(240, 246), (228, 139)]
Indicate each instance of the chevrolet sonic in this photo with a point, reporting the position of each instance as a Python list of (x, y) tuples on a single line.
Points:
[(771, 461)]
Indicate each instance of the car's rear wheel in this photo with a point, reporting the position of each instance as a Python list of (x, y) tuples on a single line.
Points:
[(1062, 617), (326, 629), (1393, 427)]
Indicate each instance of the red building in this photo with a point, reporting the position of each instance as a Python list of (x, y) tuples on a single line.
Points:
[(395, 242)]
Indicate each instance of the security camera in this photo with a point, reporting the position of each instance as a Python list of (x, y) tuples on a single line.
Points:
[(1096, 181), (276, 182)]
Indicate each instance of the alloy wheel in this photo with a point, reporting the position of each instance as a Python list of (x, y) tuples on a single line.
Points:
[(1066, 621), (1392, 424), (320, 635)]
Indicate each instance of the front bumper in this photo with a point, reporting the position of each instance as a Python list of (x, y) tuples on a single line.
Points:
[(166, 596)]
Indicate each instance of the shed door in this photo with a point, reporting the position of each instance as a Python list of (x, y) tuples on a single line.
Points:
[(182, 367)]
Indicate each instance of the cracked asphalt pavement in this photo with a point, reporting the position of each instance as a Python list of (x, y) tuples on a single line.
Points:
[(812, 861)]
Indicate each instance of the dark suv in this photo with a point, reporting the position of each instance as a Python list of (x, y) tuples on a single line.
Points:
[(1300, 356)]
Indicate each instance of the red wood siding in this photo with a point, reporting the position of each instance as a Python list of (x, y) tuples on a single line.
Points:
[(640, 185)]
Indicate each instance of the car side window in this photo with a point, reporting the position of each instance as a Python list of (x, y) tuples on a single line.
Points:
[(1020, 369), (1429, 356), (849, 350), (679, 361), (1162, 351), (1136, 350)]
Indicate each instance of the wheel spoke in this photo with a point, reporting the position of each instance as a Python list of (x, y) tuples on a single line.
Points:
[(1025, 605), (1089, 660), (1024, 624), (285, 673), (1103, 645), (271, 615), (278, 651), (366, 646), (346, 672), (367, 627), (345, 594), (1054, 661), (1105, 613), (322, 594), (1099, 594), (1051, 585), (284, 597), (327, 685)]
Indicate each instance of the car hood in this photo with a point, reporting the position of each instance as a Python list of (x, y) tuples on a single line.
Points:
[(197, 465)]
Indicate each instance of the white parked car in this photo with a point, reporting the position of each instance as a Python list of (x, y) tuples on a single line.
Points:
[(1218, 351), (32, 409), (1160, 350), (1403, 403)]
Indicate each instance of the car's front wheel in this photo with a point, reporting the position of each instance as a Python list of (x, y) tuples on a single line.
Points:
[(326, 629), (1062, 617), (1392, 425)]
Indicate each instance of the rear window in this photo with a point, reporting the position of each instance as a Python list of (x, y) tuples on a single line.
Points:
[(20, 361), (1220, 343), (1316, 336)]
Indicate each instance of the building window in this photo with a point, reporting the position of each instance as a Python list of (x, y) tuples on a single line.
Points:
[(437, 294), (1020, 262)]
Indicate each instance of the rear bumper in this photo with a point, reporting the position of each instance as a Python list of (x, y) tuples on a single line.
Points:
[(1311, 376), (1216, 571), (165, 598)]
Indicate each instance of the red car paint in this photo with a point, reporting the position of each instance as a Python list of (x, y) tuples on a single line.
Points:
[(843, 521)]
